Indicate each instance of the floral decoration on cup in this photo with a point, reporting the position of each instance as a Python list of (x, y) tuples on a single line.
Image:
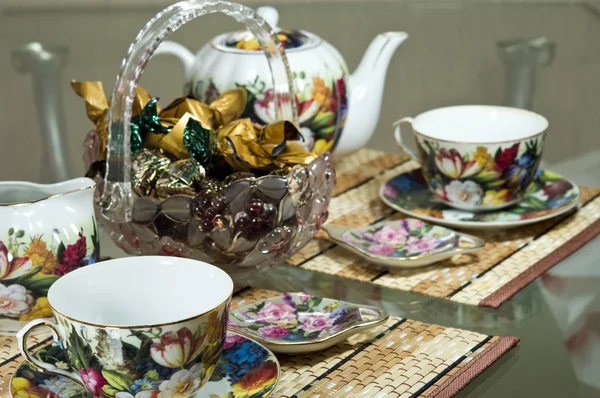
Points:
[(248, 370), (482, 175)]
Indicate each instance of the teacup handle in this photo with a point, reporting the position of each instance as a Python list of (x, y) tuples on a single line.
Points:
[(398, 135), (45, 367)]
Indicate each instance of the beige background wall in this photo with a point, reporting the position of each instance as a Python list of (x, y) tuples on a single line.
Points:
[(450, 58)]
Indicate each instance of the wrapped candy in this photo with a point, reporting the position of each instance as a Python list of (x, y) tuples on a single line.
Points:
[(187, 139), (213, 135), (146, 168), (180, 178), (247, 146), (228, 107), (190, 122), (181, 148), (148, 121), (97, 106)]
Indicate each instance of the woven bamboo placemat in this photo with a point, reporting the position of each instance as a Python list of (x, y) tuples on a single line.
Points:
[(510, 260), (402, 358)]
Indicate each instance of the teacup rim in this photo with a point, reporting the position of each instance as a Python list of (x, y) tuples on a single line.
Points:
[(149, 326), (218, 307), (505, 108)]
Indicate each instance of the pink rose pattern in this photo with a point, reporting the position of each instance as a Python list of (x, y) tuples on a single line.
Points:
[(400, 239), (303, 296), (384, 250), (391, 235), (274, 331), (295, 317), (315, 322), (421, 245), (277, 313)]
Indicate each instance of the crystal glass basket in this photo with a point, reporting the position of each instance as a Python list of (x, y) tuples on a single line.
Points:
[(253, 222)]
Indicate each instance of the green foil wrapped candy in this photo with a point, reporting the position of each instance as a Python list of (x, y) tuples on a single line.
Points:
[(200, 143)]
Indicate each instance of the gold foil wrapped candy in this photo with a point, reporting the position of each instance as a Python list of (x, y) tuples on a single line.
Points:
[(247, 146), (97, 106), (177, 149), (146, 168), (180, 178), (228, 107), (176, 117)]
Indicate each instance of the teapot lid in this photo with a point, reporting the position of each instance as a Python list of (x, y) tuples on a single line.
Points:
[(245, 41)]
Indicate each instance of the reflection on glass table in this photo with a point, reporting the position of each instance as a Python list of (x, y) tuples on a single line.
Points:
[(556, 318)]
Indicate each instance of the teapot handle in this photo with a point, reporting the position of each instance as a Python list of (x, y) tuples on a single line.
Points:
[(117, 198), (179, 51)]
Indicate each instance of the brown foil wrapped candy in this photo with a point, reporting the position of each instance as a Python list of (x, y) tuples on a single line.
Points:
[(147, 166), (180, 178)]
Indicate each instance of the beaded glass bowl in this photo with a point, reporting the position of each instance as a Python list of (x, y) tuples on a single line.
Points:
[(250, 222)]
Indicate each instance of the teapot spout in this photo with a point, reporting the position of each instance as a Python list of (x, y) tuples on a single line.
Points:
[(366, 92)]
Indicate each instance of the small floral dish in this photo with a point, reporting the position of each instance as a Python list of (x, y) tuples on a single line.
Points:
[(245, 369), (549, 195), (297, 323), (405, 243)]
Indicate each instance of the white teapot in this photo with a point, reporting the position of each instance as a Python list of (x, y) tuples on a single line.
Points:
[(328, 98)]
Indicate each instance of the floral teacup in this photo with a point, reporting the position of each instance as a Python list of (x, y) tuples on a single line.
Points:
[(477, 157), (138, 327)]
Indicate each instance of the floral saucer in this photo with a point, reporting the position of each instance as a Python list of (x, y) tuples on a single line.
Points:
[(405, 243), (548, 196), (296, 323), (245, 369)]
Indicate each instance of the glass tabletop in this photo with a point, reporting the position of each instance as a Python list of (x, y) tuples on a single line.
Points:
[(455, 55)]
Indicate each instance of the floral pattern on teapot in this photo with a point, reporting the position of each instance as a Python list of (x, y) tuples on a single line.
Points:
[(29, 265), (342, 101), (321, 101)]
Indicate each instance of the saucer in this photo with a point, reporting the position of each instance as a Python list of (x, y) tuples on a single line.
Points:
[(245, 369), (406, 243), (548, 196), (297, 323)]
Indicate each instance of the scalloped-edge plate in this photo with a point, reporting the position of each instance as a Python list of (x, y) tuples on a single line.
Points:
[(406, 243), (549, 195), (297, 323)]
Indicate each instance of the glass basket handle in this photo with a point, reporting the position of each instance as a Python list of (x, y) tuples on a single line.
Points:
[(117, 198)]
